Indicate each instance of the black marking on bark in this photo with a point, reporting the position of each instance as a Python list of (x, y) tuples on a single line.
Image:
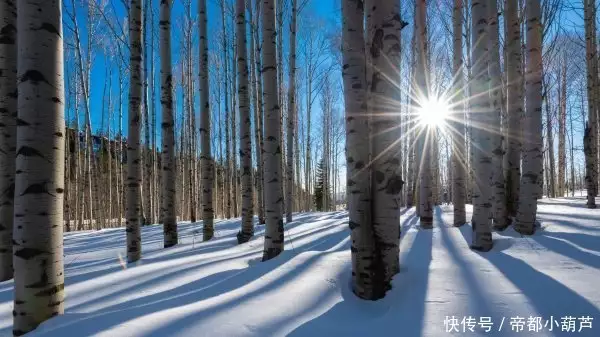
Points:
[(50, 291), (40, 188), (29, 253), (34, 76)]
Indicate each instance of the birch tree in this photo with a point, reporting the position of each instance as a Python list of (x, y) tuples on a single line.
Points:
[(499, 192), (247, 230), (8, 131), (530, 189), (208, 175), (168, 134), (39, 184), (272, 146), (289, 204), (591, 130), (514, 99), (358, 150), (425, 138), (384, 50), (458, 136), (134, 168), (480, 117)]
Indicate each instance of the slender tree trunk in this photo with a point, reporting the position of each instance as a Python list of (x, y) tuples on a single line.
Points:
[(207, 162), (532, 144), (482, 149), (500, 215), (247, 230), (8, 131), (134, 168), (562, 122), (425, 139), (459, 157), (358, 151), (39, 184), (591, 130), (289, 204), (550, 141), (257, 90), (512, 159), (272, 177), (168, 135), (228, 182), (383, 42)]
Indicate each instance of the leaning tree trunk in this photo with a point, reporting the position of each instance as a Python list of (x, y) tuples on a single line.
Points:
[(289, 200), (531, 188), (40, 158), (514, 98), (482, 152), (208, 171), (383, 42), (169, 171), (458, 125), (591, 130), (358, 150), (272, 150), (499, 192), (8, 130), (424, 134), (247, 230), (134, 168)]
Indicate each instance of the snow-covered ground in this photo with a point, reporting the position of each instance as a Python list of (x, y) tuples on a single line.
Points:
[(218, 288)]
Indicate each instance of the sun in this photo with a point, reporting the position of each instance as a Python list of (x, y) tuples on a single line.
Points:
[(434, 112)]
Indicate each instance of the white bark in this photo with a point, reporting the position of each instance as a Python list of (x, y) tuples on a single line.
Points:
[(168, 134), (591, 130), (134, 168), (425, 135), (482, 136), (247, 230), (499, 192), (532, 134), (514, 98), (39, 184), (459, 156), (384, 49), (290, 197), (207, 163), (272, 145)]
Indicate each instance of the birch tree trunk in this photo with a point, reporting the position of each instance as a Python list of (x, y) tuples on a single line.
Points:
[(501, 220), (168, 134), (358, 150), (247, 230), (8, 132), (481, 118), (562, 122), (39, 184), (424, 142), (383, 40), (514, 98), (532, 135), (258, 142), (459, 157), (208, 174), (591, 131), (134, 168), (272, 150), (227, 192), (289, 203)]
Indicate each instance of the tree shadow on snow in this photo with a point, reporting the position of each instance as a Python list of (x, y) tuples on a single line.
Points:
[(208, 287), (548, 296), (374, 318)]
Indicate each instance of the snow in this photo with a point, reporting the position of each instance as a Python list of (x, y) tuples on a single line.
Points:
[(219, 288)]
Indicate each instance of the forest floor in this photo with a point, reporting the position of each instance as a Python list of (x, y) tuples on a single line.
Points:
[(218, 288)]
